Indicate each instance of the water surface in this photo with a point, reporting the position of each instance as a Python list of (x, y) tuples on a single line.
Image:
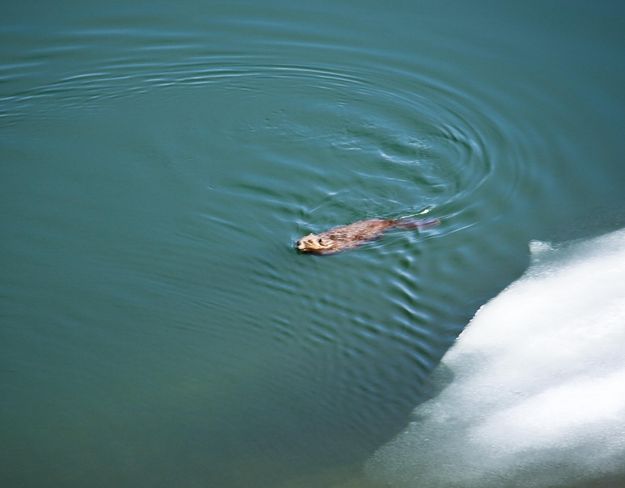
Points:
[(158, 163)]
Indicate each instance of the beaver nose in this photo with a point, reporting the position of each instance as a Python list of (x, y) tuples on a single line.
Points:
[(297, 244)]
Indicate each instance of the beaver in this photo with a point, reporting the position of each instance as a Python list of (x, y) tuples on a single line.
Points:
[(349, 236)]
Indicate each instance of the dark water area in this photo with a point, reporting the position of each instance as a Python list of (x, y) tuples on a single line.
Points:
[(159, 161)]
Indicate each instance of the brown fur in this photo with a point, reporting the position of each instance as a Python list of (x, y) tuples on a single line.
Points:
[(349, 236)]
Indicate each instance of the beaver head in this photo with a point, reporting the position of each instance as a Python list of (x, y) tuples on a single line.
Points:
[(314, 243)]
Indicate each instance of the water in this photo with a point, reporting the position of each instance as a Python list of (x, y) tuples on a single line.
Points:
[(158, 163)]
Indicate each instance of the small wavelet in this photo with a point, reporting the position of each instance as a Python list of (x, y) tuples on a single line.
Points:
[(401, 134), (537, 396)]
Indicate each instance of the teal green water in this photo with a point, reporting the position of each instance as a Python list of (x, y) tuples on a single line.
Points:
[(158, 163)]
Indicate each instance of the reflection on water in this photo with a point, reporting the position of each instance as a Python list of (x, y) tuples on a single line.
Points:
[(158, 164), (538, 390)]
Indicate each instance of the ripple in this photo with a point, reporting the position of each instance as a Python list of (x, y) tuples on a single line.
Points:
[(389, 137)]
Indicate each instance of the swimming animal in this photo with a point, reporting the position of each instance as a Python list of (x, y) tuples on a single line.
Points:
[(349, 236)]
